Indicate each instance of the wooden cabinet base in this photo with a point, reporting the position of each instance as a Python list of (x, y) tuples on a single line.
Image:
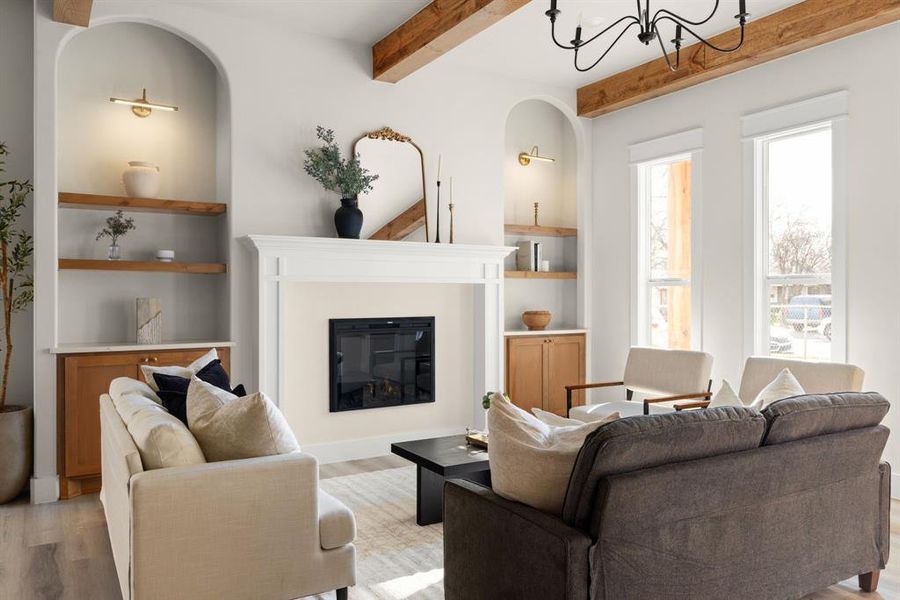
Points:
[(72, 488), (80, 381), (539, 368)]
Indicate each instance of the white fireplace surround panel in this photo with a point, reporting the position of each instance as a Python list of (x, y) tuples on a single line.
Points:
[(328, 260)]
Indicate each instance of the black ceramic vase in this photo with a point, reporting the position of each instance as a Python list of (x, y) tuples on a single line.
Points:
[(348, 219)]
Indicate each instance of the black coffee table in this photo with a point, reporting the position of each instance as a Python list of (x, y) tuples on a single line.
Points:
[(438, 459)]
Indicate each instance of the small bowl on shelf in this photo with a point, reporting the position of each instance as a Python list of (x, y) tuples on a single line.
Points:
[(536, 320), (166, 256)]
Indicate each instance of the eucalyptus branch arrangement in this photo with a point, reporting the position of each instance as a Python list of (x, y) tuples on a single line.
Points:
[(116, 226), (326, 164), (16, 250)]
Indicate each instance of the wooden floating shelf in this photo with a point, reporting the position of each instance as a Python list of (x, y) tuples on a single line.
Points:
[(541, 275), (141, 265), (512, 229), (155, 205)]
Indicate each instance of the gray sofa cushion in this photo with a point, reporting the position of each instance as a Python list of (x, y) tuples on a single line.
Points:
[(811, 415), (650, 441)]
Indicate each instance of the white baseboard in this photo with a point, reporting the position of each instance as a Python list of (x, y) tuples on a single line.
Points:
[(44, 489), (331, 452)]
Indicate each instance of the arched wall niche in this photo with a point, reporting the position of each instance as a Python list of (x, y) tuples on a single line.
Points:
[(95, 139), (562, 190)]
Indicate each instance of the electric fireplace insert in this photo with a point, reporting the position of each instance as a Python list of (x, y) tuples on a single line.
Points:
[(381, 362)]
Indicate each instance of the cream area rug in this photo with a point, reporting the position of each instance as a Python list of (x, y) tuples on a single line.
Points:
[(395, 558)]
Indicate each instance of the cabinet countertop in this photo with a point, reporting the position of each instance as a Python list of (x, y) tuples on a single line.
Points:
[(134, 347), (545, 332)]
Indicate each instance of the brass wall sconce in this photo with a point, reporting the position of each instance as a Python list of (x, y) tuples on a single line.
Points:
[(525, 158), (142, 107)]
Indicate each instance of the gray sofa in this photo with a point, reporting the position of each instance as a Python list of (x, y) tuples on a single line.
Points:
[(717, 503)]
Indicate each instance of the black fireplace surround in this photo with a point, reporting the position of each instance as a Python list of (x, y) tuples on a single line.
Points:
[(381, 362)]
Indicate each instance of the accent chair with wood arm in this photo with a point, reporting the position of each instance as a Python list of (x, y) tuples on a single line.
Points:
[(814, 377), (662, 375)]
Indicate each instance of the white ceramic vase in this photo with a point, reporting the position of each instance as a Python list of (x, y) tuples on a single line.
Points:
[(141, 179)]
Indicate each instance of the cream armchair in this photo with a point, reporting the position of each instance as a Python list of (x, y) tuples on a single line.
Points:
[(814, 377), (661, 375), (253, 528)]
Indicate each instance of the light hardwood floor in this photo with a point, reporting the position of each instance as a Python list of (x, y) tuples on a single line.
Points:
[(61, 550)]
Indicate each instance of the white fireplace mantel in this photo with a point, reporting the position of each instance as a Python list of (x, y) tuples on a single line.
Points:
[(327, 260)]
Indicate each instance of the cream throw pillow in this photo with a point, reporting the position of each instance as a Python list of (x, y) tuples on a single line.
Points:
[(161, 439), (783, 386), (187, 372), (229, 427), (531, 460), (725, 397)]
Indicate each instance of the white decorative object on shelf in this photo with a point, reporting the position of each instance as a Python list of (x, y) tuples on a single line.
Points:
[(141, 179), (545, 266), (165, 255), (149, 321)]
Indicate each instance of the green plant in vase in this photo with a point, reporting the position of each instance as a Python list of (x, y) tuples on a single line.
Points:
[(116, 226), (345, 176), (16, 250)]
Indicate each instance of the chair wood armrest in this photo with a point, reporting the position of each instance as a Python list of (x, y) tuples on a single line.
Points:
[(687, 405), (649, 401), (586, 386)]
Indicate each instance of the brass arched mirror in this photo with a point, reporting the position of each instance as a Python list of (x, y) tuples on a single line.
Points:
[(396, 209)]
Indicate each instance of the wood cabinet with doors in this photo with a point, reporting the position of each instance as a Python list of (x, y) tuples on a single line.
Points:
[(81, 379), (538, 367)]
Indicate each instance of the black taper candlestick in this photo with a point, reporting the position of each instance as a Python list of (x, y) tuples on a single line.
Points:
[(437, 235)]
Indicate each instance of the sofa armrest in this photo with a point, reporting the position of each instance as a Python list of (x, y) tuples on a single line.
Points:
[(495, 548), (231, 529)]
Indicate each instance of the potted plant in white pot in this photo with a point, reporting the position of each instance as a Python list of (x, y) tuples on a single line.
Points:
[(16, 249), (346, 176)]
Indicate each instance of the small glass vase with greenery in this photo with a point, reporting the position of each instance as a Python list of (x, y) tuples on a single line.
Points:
[(345, 176), (116, 226)]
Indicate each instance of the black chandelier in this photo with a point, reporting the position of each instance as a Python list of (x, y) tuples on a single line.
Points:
[(649, 30)]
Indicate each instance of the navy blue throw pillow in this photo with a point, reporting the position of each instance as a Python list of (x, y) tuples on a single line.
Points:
[(173, 389)]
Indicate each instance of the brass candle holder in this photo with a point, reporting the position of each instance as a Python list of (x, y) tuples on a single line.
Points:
[(536, 214)]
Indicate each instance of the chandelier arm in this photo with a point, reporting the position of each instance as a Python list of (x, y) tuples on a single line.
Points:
[(703, 41), (553, 37), (602, 56), (679, 18), (635, 21), (665, 54)]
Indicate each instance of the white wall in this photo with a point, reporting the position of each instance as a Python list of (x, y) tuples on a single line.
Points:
[(281, 86), (309, 306), (16, 130), (873, 202)]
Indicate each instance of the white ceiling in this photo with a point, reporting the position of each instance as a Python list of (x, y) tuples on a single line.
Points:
[(518, 46)]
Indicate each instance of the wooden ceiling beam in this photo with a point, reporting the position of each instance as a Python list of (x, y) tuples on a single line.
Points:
[(798, 27), (73, 12), (433, 31)]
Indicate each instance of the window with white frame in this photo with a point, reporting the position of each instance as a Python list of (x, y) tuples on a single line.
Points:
[(666, 257), (798, 235), (796, 192)]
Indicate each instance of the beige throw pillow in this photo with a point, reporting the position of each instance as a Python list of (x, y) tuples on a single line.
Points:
[(229, 427), (725, 397), (161, 439), (783, 386), (531, 460)]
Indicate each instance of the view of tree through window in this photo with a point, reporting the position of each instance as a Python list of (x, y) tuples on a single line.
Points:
[(797, 195), (667, 187)]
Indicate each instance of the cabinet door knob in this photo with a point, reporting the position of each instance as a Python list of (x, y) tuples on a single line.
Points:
[(148, 359)]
